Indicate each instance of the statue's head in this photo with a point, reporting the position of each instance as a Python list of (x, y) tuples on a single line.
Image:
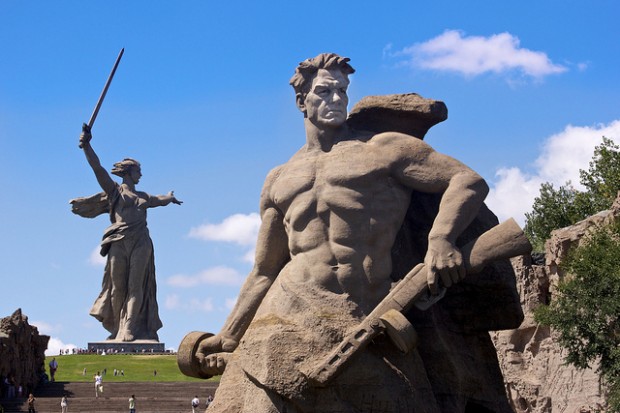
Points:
[(320, 85), (128, 167), (307, 70)]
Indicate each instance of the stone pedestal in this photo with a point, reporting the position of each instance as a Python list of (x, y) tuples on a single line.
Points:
[(130, 347)]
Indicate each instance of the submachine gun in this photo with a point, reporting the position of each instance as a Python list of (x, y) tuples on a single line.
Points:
[(503, 241)]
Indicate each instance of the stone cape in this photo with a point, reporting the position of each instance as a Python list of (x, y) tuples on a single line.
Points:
[(482, 302), (453, 369), (459, 357)]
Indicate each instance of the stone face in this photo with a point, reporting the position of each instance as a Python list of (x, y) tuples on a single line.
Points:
[(537, 380), (22, 351)]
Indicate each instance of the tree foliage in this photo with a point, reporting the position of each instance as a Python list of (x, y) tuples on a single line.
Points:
[(586, 309), (602, 179), (558, 208)]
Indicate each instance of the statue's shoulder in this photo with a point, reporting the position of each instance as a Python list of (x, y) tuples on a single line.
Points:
[(396, 144), (275, 173), (271, 180)]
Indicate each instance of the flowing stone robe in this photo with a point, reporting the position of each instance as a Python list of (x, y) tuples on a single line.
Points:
[(127, 305)]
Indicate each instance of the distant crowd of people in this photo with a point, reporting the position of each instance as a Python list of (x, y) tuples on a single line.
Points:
[(9, 389), (93, 350)]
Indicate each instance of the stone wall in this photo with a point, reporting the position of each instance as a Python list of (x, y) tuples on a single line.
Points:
[(22, 351), (537, 380)]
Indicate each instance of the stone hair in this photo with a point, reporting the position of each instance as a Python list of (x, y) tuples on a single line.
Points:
[(305, 72), (123, 167)]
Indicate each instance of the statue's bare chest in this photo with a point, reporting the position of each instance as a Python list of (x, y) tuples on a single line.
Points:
[(347, 173)]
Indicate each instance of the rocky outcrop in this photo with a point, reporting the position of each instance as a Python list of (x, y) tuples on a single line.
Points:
[(22, 351), (537, 380)]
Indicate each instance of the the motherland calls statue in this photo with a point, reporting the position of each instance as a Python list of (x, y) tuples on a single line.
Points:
[(346, 218), (127, 305)]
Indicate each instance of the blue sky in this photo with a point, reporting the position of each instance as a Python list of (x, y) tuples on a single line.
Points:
[(201, 99)]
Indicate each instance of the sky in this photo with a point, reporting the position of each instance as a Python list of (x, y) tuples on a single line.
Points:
[(201, 99)]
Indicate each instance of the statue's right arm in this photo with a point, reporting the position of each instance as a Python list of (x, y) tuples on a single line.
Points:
[(272, 254), (104, 179)]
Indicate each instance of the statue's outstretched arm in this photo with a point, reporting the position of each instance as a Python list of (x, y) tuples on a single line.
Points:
[(163, 200)]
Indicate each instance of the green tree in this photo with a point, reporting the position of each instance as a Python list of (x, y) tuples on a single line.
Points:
[(602, 179), (585, 311), (558, 208), (552, 209)]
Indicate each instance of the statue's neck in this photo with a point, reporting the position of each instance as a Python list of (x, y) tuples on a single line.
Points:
[(320, 138)]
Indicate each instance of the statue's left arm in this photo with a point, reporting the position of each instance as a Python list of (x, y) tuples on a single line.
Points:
[(163, 200), (421, 168)]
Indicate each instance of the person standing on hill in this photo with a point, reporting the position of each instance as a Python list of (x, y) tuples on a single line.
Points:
[(98, 384), (53, 368), (132, 404), (195, 404), (31, 400)]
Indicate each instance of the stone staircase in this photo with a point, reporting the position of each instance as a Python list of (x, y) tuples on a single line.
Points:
[(151, 397)]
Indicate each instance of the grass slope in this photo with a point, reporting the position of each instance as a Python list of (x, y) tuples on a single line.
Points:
[(136, 368)]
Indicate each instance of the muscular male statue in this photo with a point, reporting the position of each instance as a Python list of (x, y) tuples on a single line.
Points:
[(330, 216)]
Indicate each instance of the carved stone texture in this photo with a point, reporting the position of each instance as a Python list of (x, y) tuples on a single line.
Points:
[(407, 113), (127, 305), (537, 380), (22, 351), (341, 223)]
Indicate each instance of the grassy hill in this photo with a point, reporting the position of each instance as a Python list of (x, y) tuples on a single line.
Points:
[(135, 368)]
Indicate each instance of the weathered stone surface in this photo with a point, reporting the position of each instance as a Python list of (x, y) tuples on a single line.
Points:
[(127, 305), (537, 380), (407, 113), (22, 351), (341, 222)]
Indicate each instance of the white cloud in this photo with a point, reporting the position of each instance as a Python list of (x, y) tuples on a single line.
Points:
[(172, 302), (95, 257), (55, 345), (44, 327), (562, 156), (213, 276), (512, 194), (582, 66), (229, 303), (250, 255), (238, 228), (205, 305), (475, 55)]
